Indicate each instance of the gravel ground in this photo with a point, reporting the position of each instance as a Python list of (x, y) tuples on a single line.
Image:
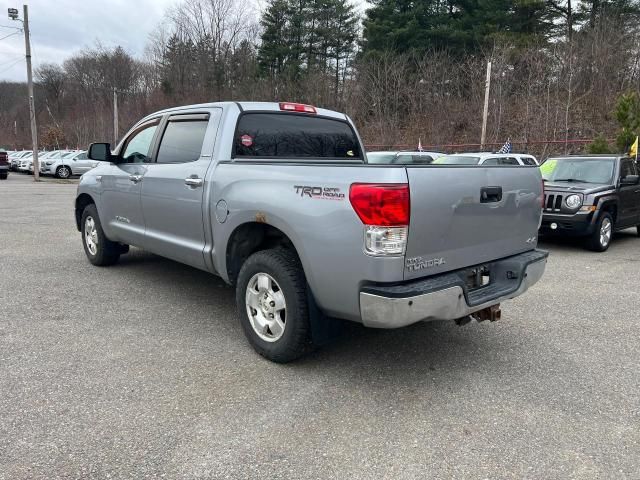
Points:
[(141, 371)]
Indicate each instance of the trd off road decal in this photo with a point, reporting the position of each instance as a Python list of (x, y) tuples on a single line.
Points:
[(324, 193)]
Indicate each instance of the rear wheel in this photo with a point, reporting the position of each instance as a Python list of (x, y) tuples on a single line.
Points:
[(99, 249), (3, 176), (601, 237), (63, 172), (271, 295)]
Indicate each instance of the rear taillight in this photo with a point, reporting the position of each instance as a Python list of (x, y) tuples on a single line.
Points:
[(542, 201), (297, 107), (384, 209)]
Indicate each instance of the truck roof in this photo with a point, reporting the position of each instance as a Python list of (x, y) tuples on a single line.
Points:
[(249, 106)]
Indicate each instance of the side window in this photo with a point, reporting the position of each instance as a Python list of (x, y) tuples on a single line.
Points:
[(422, 159), (626, 167), (82, 156), (182, 141), (528, 161), (508, 161), (138, 144), (490, 162)]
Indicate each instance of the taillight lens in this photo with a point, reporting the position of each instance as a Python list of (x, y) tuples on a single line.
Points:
[(384, 205), (385, 210)]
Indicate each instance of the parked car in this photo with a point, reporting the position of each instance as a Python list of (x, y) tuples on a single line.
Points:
[(4, 165), (488, 159), (278, 200), (402, 157), (43, 156), (590, 196), (16, 157), (71, 163)]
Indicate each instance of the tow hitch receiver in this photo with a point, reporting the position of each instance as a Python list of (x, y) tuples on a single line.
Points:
[(491, 313)]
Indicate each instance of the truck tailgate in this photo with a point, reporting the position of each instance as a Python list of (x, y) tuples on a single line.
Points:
[(468, 215)]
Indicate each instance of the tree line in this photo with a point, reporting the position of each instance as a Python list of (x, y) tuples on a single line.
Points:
[(403, 70)]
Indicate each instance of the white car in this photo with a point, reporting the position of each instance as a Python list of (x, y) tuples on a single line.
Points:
[(26, 163), (402, 157), (71, 163), (487, 159)]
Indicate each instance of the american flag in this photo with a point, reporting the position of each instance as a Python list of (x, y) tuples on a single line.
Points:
[(506, 148)]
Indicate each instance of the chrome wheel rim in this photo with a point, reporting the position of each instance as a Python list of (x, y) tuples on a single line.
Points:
[(266, 307), (64, 172), (91, 235), (605, 232)]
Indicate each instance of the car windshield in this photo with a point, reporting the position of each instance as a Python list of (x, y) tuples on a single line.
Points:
[(69, 154), (456, 160), (583, 170), (381, 157)]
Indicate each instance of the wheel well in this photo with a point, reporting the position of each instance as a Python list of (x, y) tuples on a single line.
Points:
[(612, 209), (249, 238), (81, 203)]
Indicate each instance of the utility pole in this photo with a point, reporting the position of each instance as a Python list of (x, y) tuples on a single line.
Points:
[(485, 113), (13, 15), (115, 116)]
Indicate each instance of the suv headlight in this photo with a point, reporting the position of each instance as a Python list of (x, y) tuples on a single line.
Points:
[(49, 162), (573, 201)]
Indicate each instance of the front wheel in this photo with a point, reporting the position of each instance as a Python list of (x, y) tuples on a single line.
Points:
[(63, 172), (99, 249), (3, 176), (601, 237), (271, 295)]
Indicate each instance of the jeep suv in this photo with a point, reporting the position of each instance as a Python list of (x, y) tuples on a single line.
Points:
[(590, 196)]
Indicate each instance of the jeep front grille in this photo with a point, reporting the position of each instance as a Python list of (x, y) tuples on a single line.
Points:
[(553, 202)]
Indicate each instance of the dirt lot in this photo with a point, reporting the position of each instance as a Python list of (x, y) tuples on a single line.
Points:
[(141, 370)]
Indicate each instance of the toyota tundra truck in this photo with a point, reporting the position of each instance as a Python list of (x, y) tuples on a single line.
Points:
[(279, 200)]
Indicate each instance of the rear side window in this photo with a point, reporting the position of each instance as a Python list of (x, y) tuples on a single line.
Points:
[(275, 135), (528, 161), (182, 141)]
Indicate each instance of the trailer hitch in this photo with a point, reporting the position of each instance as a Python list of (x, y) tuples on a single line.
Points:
[(491, 313)]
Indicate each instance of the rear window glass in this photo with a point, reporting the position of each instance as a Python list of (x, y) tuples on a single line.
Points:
[(273, 135)]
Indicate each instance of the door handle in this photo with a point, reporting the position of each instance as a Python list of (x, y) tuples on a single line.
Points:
[(135, 178), (193, 182), (490, 194)]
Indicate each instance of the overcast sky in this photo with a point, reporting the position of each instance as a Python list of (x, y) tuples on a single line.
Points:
[(61, 27)]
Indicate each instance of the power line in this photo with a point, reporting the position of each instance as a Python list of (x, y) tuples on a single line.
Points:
[(12, 65), (10, 35)]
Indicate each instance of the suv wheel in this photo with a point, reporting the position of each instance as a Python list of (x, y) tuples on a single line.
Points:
[(63, 172), (601, 237), (99, 249), (3, 176), (271, 294)]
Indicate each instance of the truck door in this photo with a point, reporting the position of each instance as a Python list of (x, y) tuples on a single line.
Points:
[(629, 206), (121, 211), (174, 187)]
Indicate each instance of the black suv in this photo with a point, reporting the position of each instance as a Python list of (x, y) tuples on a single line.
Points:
[(590, 196)]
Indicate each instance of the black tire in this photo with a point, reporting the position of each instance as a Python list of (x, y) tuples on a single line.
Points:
[(595, 242), (284, 268), (4, 176), (106, 252), (638, 230), (63, 172)]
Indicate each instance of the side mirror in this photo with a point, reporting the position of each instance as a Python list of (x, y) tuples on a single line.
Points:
[(100, 152), (630, 180)]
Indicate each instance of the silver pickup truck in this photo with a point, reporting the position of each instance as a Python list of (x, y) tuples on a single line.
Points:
[(278, 199)]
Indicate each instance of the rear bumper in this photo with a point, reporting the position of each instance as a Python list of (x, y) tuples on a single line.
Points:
[(446, 297)]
